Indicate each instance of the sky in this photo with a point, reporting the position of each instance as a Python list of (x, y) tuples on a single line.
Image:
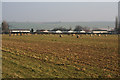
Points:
[(59, 11), (0, 12), (60, 0)]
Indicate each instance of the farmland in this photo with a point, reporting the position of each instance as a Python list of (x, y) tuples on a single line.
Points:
[(49, 56)]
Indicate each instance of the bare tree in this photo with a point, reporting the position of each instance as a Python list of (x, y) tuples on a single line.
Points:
[(117, 25), (31, 31), (61, 29), (5, 27), (78, 28)]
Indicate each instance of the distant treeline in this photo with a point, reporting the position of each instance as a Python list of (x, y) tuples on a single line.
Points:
[(77, 28), (5, 28)]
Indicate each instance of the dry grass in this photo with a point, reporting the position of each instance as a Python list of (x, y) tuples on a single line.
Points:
[(49, 56)]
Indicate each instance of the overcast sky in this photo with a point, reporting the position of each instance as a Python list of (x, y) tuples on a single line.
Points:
[(0, 11), (59, 11), (60, 0)]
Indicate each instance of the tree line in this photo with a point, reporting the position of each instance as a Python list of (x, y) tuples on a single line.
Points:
[(5, 28), (77, 28)]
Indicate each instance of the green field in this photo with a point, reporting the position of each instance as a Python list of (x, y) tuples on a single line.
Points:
[(49, 56)]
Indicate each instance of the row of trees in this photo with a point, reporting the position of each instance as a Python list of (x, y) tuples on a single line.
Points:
[(77, 28), (61, 29), (87, 29), (5, 28)]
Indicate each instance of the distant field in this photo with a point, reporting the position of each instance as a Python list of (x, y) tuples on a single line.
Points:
[(49, 56)]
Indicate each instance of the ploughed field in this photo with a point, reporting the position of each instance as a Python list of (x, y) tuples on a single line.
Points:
[(51, 56)]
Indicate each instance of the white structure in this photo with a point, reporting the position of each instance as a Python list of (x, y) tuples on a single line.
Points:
[(46, 31), (99, 31), (20, 31), (64, 31), (58, 31), (82, 31), (70, 31)]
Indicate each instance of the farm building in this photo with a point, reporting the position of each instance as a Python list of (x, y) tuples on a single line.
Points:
[(70, 31), (19, 30), (58, 31), (46, 31), (42, 31), (81, 31), (99, 31), (64, 31)]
